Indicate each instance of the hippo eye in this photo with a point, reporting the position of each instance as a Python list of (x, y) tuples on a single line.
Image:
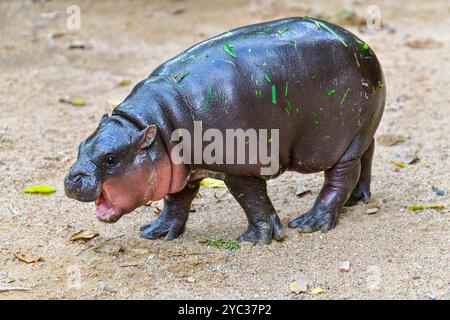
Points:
[(110, 160)]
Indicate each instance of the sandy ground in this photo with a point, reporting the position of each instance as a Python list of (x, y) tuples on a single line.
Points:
[(394, 253)]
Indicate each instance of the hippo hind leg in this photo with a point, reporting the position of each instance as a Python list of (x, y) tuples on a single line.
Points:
[(263, 222), (340, 181), (172, 219), (362, 189)]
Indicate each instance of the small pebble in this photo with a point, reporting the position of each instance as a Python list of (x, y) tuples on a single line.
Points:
[(345, 266), (371, 210), (432, 296), (190, 279)]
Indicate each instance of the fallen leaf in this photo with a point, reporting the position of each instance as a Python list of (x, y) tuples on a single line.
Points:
[(84, 235), (76, 101), (212, 183), (41, 188), (399, 164), (20, 256), (390, 139), (125, 82), (317, 290), (424, 207)]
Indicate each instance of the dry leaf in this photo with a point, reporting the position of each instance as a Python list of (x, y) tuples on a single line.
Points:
[(317, 290), (20, 256), (399, 164), (84, 235), (77, 101), (125, 82), (212, 183), (42, 188)]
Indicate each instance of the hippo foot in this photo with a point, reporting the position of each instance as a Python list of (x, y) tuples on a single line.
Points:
[(360, 193), (159, 228), (263, 232), (315, 220)]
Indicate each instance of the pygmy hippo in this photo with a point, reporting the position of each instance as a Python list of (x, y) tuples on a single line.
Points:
[(315, 86)]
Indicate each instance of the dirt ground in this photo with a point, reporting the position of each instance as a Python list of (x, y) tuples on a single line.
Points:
[(394, 253)]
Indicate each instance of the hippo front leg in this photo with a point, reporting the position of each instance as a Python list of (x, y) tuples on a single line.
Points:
[(173, 217), (263, 221), (340, 181)]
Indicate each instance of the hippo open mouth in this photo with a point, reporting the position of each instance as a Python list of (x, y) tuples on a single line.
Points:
[(105, 211)]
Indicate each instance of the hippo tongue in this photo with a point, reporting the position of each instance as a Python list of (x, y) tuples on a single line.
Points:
[(104, 211)]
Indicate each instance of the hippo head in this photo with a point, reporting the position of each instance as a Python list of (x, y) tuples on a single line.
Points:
[(120, 167)]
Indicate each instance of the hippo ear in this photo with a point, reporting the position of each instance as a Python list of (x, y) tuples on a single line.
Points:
[(148, 136)]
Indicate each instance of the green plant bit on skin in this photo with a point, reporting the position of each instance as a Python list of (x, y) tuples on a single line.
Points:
[(315, 22), (181, 78), (209, 95), (288, 108), (380, 84), (420, 207), (334, 34), (258, 92), (280, 32), (330, 92), (345, 95), (327, 136), (320, 24), (317, 122), (191, 57), (221, 243), (228, 48), (362, 44), (230, 62), (267, 78), (274, 94), (314, 114), (293, 42), (286, 90)]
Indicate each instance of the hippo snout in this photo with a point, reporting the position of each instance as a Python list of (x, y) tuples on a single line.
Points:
[(81, 185)]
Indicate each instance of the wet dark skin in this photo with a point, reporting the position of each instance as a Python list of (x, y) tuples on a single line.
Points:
[(327, 117)]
